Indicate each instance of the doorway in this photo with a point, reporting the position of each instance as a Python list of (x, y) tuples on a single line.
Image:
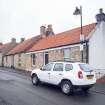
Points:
[(46, 58)]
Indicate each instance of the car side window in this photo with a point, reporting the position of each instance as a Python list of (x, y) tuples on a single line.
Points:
[(58, 67), (48, 67), (68, 67)]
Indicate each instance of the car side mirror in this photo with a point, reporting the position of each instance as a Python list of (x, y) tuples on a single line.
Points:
[(41, 68)]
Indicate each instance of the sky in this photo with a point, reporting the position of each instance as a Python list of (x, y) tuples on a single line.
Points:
[(23, 18)]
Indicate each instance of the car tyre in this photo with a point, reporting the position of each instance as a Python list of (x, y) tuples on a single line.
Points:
[(35, 80), (67, 87)]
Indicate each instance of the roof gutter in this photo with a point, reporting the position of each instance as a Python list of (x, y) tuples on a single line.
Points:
[(57, 47)]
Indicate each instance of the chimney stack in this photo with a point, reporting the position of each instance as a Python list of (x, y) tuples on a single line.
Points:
[(43, 31), (46, 32), (22, 40), (49, 30), (101, 16), (13, 40)]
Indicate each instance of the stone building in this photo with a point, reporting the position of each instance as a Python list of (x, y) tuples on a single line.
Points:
[(5, 48), (17, 58), (62, 46)]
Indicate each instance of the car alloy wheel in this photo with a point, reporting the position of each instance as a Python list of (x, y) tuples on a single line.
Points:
[(67, 87), (35, 80)]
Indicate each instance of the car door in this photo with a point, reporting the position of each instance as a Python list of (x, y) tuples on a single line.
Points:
[(57, 73), (44, 75)]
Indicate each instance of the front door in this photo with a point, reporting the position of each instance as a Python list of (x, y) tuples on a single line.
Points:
[(46, 58)]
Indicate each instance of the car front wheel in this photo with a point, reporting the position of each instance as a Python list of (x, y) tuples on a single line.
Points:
[(35, 80), (66, 87)]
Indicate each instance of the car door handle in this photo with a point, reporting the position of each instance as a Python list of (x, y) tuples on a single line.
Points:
[(48, 73), (60, 74)]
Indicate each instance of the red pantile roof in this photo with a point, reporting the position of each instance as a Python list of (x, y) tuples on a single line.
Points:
[(24, 46), (2, 47), (64, 38)]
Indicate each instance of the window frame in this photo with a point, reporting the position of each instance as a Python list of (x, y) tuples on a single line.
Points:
[(59, 70), (68, 64), (66, 54), (52, 64)]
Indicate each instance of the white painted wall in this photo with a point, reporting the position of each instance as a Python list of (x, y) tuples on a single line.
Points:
[(9, 61), (97, 47)]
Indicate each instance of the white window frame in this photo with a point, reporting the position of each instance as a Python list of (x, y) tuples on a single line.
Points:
[(66, 53)]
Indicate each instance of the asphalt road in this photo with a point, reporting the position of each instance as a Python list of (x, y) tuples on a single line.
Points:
[(16, 89)]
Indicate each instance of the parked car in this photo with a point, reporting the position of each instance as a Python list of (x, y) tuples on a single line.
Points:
[(67, 75)]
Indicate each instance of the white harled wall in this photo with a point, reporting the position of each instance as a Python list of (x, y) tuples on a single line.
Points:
[(97, 48)]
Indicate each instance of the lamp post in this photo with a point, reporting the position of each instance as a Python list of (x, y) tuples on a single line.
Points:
[(78, 11)]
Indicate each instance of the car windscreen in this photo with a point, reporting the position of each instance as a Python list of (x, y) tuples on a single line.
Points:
[(86, 67)]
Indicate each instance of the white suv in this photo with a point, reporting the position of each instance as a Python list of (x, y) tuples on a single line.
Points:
[(67, 75)]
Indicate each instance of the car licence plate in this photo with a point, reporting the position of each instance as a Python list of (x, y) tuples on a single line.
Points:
[(89, 76)]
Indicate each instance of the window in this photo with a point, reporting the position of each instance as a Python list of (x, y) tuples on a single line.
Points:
[(33, 59), (58, 67), (66, 54), (86, 67), (48, 67), (68, 67)]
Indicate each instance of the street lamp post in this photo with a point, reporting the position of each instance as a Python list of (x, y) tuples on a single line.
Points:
[(78, 11)]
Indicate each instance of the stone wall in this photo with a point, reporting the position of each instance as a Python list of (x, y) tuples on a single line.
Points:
[(28, 61), (55, 55), (20, 61), (58, 55), (39, 61), (24, 61), (75, 54), (7, 61)]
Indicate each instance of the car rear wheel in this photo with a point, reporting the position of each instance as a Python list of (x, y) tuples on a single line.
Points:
[(66, 87), (35, 80)]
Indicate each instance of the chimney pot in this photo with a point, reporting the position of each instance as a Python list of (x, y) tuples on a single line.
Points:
[(49, 30), (101, 16), (22, 40), (42, 30), (13, 40)]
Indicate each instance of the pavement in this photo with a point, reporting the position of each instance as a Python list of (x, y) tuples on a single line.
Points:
[(23, 72), (16, 89), (98, 87)]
